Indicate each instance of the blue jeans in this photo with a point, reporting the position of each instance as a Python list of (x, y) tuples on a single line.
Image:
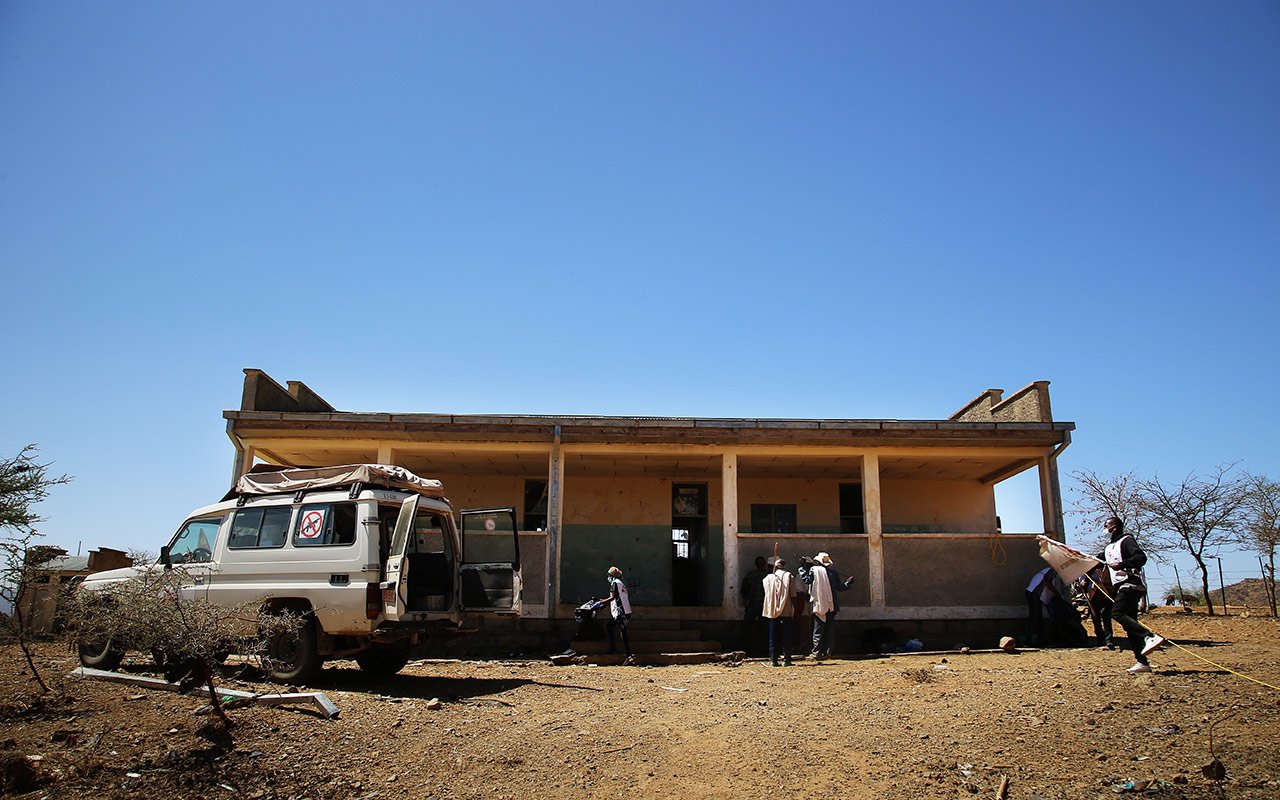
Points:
[(824, 634), (780, 633)]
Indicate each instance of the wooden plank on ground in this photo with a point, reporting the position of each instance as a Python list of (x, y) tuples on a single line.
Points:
[(319, 699)]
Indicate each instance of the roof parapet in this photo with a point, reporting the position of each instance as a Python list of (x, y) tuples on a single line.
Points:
[(1028, 404), (261, 393)]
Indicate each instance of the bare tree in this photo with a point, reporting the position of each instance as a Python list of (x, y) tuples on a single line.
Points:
[(1260, 527), (1199, 514), (24, 482), (159, 611), (141, 557), (1097, 497)]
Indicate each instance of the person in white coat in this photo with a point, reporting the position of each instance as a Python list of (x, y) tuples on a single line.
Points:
[(819, 574), (778, 591)]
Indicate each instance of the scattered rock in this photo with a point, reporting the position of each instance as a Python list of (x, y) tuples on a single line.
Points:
[(1008, 644)]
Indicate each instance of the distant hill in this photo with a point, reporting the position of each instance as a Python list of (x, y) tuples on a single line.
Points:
[(1248, 592)]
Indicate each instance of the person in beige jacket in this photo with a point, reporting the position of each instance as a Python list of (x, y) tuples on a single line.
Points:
[(778, 590)]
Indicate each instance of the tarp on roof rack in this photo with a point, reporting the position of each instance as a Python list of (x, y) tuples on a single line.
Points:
[(296, 480)]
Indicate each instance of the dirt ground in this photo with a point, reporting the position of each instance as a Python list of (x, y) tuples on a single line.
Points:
[(1057, 724)]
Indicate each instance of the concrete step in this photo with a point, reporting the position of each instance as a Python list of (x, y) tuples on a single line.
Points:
[(647, 646), (651, 659), (650, 635)]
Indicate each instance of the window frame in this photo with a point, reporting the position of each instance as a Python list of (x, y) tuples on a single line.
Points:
[(543, 501), (851, 523), (328, 507), (264, 510), (773, 509)]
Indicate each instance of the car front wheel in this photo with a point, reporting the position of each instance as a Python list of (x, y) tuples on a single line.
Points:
[(101, 653), (291, 656)]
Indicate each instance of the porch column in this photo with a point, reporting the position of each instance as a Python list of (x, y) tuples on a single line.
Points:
[(729, 516), (555, 515), (244, 461), (386, 455), (875, 528), (1048, 502)]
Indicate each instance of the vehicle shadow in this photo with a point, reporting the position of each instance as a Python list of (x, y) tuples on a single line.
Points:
[(353, 679), (410, 687)]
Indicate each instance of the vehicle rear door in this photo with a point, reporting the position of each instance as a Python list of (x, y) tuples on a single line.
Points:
[(489, 572), (395, 589)]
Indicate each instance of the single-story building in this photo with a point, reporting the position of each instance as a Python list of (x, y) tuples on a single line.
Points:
[(685, 505), (53, 574)]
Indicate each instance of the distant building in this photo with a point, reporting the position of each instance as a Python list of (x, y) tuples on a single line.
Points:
[(685, 505), (58, 573)]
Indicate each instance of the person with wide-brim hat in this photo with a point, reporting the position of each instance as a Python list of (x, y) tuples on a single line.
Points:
[(820, 575)]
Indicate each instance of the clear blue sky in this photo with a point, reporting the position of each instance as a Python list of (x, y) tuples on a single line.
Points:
[(720, 209)]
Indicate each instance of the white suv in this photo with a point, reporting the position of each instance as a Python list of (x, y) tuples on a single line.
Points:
[(370, 554)]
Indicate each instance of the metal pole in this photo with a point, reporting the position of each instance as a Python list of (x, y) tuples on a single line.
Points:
[(1181, 599), (1268, 586), (1223, 587)]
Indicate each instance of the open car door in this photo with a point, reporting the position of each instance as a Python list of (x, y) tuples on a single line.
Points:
[(489, 577), (395, 589)]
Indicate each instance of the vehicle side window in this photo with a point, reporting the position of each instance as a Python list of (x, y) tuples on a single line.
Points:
[(325, 524), (195, 542), (428, 534), (260, 527)]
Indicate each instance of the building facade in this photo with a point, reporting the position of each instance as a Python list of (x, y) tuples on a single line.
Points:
[(685, 505)]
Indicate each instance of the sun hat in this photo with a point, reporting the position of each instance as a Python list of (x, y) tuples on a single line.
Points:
[(823, 558)]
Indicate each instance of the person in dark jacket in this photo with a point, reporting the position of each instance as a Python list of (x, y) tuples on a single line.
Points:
[(824, 583), (1124, 560)]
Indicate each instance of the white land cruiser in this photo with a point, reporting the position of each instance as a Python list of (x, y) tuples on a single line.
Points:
[(369, 553)]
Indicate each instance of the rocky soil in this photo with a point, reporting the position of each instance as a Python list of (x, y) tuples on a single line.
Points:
[(1056, 724)]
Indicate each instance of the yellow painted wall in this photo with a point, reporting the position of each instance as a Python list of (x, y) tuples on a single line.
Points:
[(937, 506), (480, 491), (908, 505), (817, 501), (628, 501)]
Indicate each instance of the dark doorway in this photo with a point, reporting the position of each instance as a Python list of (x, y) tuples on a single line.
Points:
[(688, 544)]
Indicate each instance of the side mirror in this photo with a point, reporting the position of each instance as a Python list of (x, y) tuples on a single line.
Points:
[(165, 558)]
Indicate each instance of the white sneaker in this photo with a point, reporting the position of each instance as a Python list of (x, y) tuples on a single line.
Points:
[(1136, 668), (1153, 643)]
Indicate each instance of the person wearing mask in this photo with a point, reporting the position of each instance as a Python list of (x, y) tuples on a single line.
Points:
[(619, 612), (1124, 560)]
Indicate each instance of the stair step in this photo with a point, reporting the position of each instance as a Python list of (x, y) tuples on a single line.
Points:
[(647, 635), (652, 659), (648, 646)]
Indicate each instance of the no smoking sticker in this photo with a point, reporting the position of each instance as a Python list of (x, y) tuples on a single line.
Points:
[(312, 525)]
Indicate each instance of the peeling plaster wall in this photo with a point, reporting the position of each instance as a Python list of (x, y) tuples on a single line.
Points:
[(922, 571)]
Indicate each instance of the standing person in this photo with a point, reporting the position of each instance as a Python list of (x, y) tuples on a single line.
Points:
[(619, 611), (752, 592), (1095, 586), (1124, 560), (777, 609), (1039, 593), (819, 574)]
